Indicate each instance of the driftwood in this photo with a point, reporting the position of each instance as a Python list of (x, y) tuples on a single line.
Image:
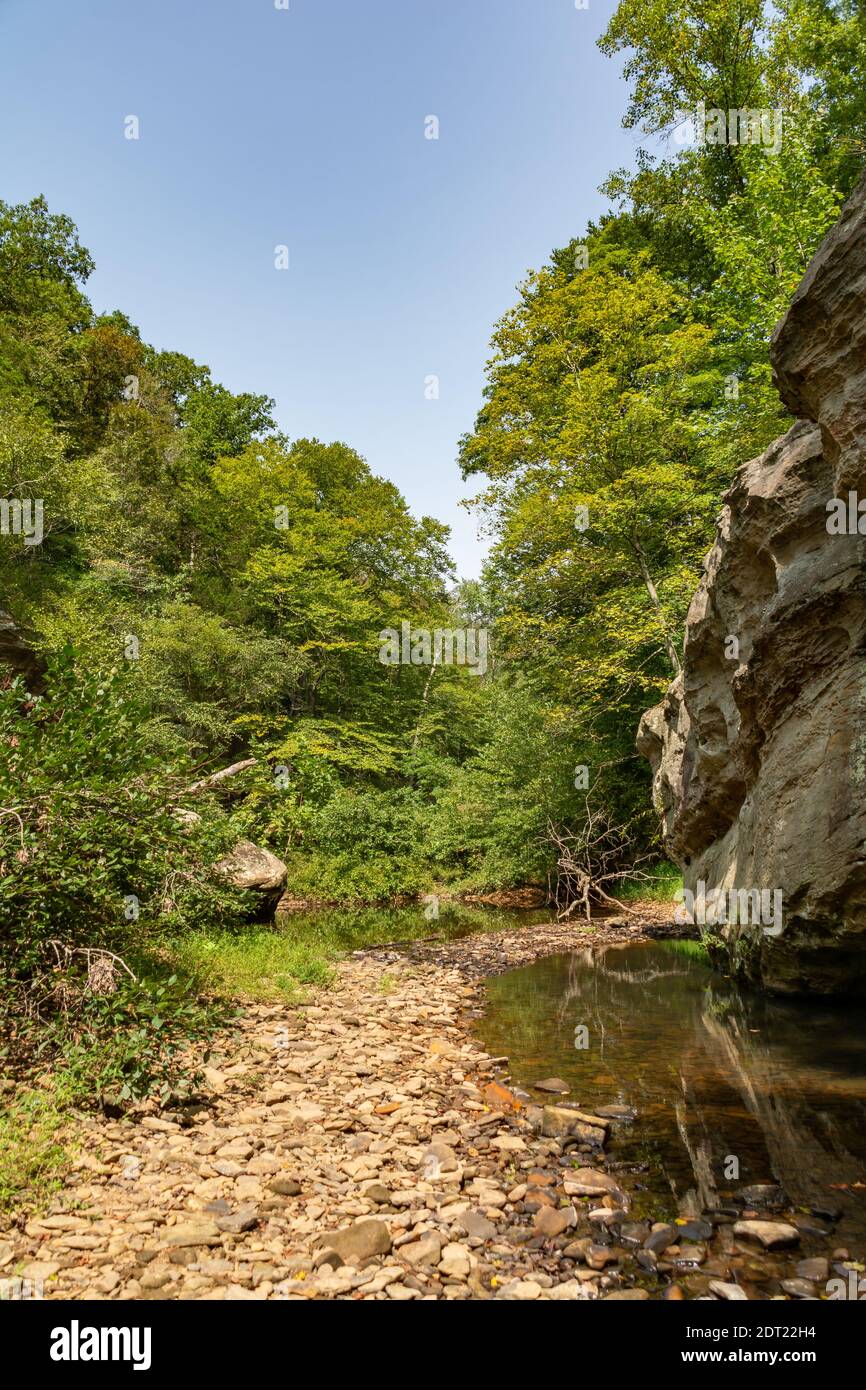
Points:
[(590, 858), (216, 777)]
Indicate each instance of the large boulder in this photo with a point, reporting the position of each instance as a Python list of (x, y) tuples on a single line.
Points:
[(759, 748), (256, 869)]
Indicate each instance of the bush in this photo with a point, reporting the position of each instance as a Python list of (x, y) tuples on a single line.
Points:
[(96, 869)]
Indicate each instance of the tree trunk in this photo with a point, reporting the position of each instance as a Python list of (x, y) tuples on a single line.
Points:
[(654, 600)]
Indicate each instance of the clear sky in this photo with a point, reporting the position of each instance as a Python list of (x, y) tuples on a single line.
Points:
[(306, 128)]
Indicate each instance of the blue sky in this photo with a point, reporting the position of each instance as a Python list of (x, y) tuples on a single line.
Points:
[(305, 127)]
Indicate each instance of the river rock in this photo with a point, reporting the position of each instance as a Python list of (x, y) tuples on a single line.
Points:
[(756, 748), (476, 1225), (732, 1292), (359, 1242), (425, 1251), (591, 1182), (773, 1235), (552, 1221)]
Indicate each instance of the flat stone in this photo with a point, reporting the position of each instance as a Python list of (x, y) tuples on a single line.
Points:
[(523, 1290), (476, 1225), (600, 1256), (439, 1158), (554, 1085), (455, 1262), (508, 1143), (731, 1292), (773, 1235), (377, 1192), (658, 1241), (799, 1288), (244, 1219), (591, 1182), (359, 1242), (202, 1233)]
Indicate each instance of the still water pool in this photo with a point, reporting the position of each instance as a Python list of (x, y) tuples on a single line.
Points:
[(723, 1081)]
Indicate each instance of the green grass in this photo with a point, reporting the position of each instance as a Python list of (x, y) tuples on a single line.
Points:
[(663, 882), (33, 1156), (695, 950), (260, 964)]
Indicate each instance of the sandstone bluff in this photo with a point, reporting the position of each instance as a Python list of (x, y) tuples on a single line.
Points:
[(759, 759)]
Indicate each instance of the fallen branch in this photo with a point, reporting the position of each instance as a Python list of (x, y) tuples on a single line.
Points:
[(216, 777)]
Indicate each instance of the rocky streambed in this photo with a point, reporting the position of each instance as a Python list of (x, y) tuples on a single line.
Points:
[(366, 1146)]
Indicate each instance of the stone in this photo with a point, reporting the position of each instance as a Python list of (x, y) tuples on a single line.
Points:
[(455, 1262), (757, 755), (600, 1256), (616, 1112), (244, 1219), (731, 1292), (439, 1159), (660, 1239), (377, 1192), (359, 1242), (626, 1295), (256, 870), (476, 1225), (799, 1288), (199, 1233), (425, 1251), (817, 1269), (508, 1143), (591, 1182), (523, 1290), (557, 1122), (773, 1235), (554, 1085), (552, 1221), (284, 1185)]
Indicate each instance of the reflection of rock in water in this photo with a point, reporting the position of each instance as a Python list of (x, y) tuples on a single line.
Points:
[(711, 1073), (758, 1080), (809, 1146)]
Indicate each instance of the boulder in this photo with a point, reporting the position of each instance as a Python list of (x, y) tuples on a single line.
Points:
[(758, 749), (257, 870)]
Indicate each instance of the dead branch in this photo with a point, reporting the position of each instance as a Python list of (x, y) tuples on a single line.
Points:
[(216, 777)]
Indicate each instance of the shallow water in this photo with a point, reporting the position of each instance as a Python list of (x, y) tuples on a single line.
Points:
[(715, 1075)]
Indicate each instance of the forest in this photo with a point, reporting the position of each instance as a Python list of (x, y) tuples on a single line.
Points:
[(206, 591)]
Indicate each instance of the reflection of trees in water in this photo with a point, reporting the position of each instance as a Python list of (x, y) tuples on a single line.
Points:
[(602, 982)]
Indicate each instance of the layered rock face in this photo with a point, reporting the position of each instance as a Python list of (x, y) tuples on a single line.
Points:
[(759, 748)]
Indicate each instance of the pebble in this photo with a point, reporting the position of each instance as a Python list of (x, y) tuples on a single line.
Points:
[(361, 1147)]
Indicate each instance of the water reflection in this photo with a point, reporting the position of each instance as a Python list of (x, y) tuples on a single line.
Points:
[(731, 1089)]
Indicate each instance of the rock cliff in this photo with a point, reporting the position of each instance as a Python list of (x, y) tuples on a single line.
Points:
[(759, 748)]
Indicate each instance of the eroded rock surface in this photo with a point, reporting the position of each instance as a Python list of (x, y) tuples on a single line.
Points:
[(256, 869), (759, 748)]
